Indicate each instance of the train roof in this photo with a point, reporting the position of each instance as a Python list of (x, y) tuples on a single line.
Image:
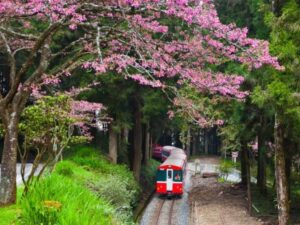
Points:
[(174, 163), (168, 147), (171, 148), (177, 156), (177, 151)]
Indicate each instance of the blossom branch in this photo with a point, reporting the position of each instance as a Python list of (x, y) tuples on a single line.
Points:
[(18, 35), (98, 44)]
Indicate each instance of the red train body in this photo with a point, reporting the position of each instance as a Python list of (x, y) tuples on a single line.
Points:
[(171, 173)]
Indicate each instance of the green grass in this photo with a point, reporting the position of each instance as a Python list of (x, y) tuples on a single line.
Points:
[(57, 199), (84, 189), (9, 215)]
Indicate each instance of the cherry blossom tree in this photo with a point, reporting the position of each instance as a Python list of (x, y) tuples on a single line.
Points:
[(148, 41)]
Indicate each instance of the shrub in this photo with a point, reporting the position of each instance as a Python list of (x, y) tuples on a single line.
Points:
[(116, 190), (225, 168), (89, 158), (57, 200), (148, 172)]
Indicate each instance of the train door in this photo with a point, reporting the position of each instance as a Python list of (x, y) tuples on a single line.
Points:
[(169, 179)]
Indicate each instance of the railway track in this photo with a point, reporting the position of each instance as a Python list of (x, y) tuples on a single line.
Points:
[(164, 212)]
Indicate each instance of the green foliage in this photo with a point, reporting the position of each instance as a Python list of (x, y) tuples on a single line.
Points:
[(285, 36), (48, 121), (65, 168), (9, 215), (116, 190), (231, 137), (148, 172), (277, 96), (113, 182), (89, 157), (245, 14), (83, 189), (59, 200), (225, 167), (47, 128)]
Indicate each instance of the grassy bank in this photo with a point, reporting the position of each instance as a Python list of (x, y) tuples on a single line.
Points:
[(84, 189)]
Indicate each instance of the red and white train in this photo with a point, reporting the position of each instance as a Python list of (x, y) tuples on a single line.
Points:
[(170, 174)]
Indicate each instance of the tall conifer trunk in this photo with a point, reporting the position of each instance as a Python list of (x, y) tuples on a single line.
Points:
[(281, 178), (147, 144), (137, 140), (188, 142), (244, 158), (248, 175), (206, 141), (113, 145), (194, 148), (261, 166)]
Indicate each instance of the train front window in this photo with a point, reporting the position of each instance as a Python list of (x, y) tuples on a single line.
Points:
[(177, 175), (166, 154), (169, 174), (161, 175)]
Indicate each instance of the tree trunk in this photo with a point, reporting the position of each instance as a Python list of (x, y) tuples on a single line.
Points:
[(147, 144), (150, 145), (277, 6), (244, 158), (188, 143), (206, 141), (125, 135), (137, 142), (261, 164), (194, 148), (248, 182), (9, 160), (280, 172), (113, 145), (288, 167)]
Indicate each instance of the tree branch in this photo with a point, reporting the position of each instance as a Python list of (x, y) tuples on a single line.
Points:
[(18, 35), (39, 43), (12, 63)]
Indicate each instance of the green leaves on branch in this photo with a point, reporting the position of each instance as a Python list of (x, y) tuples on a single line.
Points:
[(48, 123), (277, 96)]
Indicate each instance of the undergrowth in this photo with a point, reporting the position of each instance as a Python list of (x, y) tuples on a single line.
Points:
[(84, 189), (148, 173)]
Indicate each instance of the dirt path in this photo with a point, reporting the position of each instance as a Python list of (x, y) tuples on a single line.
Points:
[(213, 203)]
